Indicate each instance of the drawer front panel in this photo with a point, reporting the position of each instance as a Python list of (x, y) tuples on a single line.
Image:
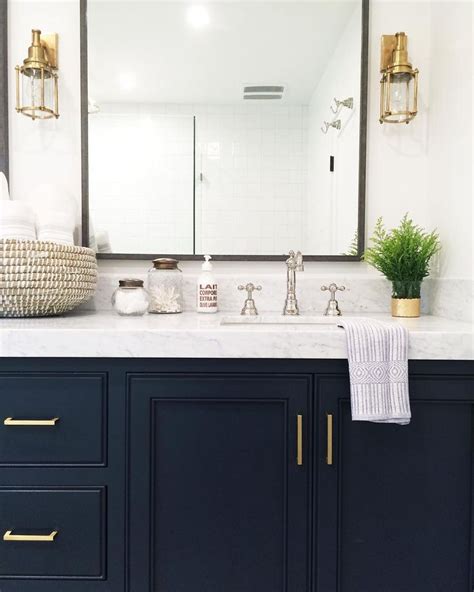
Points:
[(53, 419), (52, 533)]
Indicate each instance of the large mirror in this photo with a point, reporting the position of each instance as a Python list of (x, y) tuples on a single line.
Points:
[(235, 128)]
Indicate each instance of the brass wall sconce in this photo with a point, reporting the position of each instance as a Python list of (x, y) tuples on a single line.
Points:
[(399, 83), (37, 79)]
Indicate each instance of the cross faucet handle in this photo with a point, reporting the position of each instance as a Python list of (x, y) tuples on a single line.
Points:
[(249, 307), (333, 288), (333, 309), (250, 288)]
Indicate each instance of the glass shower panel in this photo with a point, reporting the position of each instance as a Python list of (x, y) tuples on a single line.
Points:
[(141, 180)]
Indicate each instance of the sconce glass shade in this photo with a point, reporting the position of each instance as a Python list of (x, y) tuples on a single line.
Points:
[(399, 83), (37, 83), (399, 97)]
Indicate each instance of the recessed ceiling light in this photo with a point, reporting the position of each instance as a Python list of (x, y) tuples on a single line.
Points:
[(127, 81), (198, 16)]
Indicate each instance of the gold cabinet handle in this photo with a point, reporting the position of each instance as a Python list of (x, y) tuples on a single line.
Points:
[(329, 427), (29, 538), (299, 440), (10, 421)]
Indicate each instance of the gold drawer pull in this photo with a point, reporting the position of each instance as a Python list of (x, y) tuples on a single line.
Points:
[(29, 538), (329, 457), (9, 421), (299, 440)]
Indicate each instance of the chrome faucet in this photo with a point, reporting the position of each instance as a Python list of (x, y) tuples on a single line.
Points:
[(293, 264)]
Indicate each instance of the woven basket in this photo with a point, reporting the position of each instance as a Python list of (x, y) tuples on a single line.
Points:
[(40, 279)]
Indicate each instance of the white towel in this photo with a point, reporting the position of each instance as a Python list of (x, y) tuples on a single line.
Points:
[(17, 220), (378, 370), (56, 213), (55, 227)]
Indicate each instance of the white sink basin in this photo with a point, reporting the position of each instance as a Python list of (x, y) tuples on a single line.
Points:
[(276, 319)]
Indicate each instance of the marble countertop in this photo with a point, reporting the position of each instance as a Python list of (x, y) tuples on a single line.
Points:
[(191, 335)]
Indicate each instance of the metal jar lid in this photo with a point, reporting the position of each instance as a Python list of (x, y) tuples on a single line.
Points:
[(131, 283), (165, 263)]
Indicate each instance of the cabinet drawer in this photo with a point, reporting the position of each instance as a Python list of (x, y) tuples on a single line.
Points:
[(53, 419), (52, 533)]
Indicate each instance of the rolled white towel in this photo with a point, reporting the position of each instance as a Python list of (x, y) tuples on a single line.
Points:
[(17, 220), (4, 193), (103, 242), (48, 197), (55, 227)]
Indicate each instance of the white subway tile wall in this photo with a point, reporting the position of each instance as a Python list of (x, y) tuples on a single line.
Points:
[(251, 168), (251, 165), (141, 179)]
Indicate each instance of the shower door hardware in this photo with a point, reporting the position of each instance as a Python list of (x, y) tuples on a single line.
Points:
[(299, 440), (329, 428)]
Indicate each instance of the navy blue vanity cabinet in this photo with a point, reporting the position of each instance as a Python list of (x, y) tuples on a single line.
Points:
[(394, 503), (219, 476), (170, 476)]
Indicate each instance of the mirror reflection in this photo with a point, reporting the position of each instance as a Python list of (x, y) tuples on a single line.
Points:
[(229, 128)]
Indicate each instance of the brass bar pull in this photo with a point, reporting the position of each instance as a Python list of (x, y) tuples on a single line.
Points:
[(299, 440), (29, 538), (329, 457), (10, 421)]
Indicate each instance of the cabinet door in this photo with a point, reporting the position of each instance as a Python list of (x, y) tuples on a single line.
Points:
[(394, 508), (216, 499)]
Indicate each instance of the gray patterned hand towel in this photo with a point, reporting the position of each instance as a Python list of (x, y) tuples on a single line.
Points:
[(378, 369)]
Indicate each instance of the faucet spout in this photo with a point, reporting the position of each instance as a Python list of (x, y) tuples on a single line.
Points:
[(293, 264)]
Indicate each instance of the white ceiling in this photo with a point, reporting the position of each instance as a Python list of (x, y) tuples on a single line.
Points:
[(147, 51)]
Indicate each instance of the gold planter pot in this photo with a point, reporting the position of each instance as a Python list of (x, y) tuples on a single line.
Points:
[(406, 307)]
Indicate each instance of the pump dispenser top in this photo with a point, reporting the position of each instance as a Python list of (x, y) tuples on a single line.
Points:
[(207, 265), (206, 288)]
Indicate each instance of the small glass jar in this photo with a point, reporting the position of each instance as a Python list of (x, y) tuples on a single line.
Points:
[(165, 286), (130, 298)]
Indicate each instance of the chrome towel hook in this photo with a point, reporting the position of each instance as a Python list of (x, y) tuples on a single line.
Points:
[(336, 124), (348, 103)]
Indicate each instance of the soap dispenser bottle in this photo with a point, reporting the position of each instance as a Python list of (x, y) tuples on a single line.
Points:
[(207, 288)]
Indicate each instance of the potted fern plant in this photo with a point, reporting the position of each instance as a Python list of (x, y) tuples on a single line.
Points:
[(403, 255)]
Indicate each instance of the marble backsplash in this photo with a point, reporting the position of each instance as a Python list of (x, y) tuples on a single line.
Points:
[(364, 293), (271, 299), (452, 299)]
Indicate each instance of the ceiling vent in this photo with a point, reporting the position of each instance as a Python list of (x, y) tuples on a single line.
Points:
[(265, 93)]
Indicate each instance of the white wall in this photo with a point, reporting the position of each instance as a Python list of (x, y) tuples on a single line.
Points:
[(46, 151), (399, 157), (450, 157)]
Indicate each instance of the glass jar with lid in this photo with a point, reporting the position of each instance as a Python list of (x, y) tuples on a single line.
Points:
[(130, 298), (165, 286)]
